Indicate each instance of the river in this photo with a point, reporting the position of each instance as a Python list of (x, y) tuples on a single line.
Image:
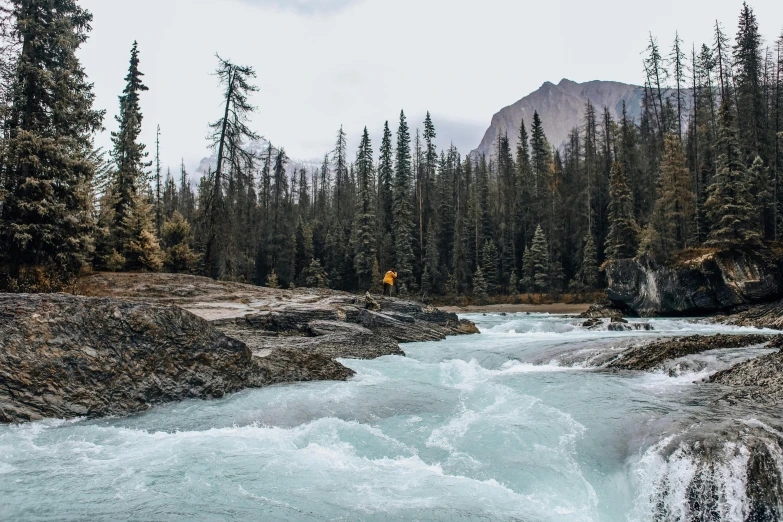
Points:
[(518, 423)]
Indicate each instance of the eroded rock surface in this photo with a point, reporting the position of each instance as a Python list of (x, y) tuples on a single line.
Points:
[(700, 282), (759, 380), (652, 355), (144, 339), (337, 324), (66, 356)]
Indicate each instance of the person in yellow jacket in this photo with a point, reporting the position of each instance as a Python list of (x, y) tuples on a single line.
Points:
[(388, 282)]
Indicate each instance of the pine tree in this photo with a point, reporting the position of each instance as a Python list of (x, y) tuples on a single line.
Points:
[(489, 264), (528, 271), (589, 270), (142, 250), (749, 92), (45, 219), (402, 218), (305, 251), (762, 197), (623, 239), (431, 260), (539, 258), (513, 282), (229, 135), (178, 258), (730, 211), (676, 202), (315, 276), (364, 221), (480, 291), (272, 281), (130, 178)]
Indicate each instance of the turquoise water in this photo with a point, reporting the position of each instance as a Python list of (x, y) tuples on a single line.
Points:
[(517, 423)]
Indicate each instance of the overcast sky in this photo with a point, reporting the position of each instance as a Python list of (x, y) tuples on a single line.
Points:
[(326, 63)]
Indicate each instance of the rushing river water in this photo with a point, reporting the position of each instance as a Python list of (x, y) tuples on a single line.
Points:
[(518, 423)]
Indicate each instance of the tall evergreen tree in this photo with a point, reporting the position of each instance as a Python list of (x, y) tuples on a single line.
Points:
[(729, 205), (750, 99), (129, 155), (623, 239), (489, 264), (364, 222), (45, 219), (402, 218), (230, 134), (539, 260)]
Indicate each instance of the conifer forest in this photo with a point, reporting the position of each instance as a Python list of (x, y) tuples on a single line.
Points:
[(699, 169)]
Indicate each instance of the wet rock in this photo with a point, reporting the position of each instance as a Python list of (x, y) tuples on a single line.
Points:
[(765, 315), (699, 282), (66, 356), (602, 311), (592, 324), (653, 355), (758, 380)]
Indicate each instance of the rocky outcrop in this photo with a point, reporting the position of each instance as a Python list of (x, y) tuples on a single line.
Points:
[(758, 380), (653, 355), (144, 339), (66, 356), (699, 282), (602, 311), (765, 315)]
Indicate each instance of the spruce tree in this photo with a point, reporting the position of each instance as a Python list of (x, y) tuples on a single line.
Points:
[(402, 218), (480, 291), (431, 260), (142, 250), (364, 221), (729, 205), (589, 270), (762, 197), (539, 258), (130, 177), (178, 257), (676, 201), (489, 264), (750, 90), (45, 219), (623, 239)]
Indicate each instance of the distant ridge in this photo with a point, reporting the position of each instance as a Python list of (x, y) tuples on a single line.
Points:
[(561, 108)]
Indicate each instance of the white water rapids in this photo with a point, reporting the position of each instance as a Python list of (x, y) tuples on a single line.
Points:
[(518, 423)]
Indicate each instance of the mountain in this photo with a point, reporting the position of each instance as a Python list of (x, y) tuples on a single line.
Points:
[(561, 108)]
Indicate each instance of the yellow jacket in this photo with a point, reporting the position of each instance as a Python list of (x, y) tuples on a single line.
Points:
[(390, 277)]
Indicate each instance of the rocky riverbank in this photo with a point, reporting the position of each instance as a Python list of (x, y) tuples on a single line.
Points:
[(653, 355), (142, 339), (698, 282)]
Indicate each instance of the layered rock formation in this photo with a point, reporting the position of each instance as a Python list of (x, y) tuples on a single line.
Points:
[(652, 355), (66, 356), (700, 282), (154, 338)]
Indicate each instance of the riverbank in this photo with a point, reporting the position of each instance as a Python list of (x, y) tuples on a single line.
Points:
[(553, 308), (130, 341)]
